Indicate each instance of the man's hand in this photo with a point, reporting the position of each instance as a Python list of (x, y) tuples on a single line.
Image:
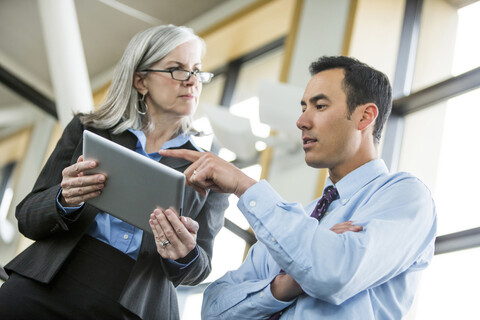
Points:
[(211, 172), (285, 288), (345, 226)]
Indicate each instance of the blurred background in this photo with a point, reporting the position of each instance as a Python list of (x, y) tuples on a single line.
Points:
[(57, 57)]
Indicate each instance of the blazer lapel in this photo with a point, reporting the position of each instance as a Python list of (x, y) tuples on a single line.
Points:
[(178, 162), (126, 139)]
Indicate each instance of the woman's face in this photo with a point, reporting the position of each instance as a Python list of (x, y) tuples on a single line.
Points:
[(167, 96)]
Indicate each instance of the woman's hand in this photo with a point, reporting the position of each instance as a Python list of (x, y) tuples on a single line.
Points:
[(175, 236), (77, 186)]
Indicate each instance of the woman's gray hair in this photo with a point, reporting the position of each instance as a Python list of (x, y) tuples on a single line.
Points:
[(119, 111)]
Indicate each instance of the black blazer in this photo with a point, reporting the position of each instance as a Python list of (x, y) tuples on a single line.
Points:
[(149, 291)]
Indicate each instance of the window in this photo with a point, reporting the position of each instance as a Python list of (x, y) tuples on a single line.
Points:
[(439, 146), (450, 288)]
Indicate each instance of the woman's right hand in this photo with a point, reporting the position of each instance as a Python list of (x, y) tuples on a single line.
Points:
[(77, 186)]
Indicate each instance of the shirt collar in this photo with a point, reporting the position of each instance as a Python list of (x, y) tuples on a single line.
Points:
[(358, 178), (176, 142)]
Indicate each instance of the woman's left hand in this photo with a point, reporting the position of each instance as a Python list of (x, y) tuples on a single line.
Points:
[(174, 236)]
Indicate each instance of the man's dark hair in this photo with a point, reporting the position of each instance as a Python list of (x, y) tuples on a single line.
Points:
[(362, 84)]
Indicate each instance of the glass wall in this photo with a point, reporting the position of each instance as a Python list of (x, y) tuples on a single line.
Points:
[(439, 146), (450, 288), (439, 142)]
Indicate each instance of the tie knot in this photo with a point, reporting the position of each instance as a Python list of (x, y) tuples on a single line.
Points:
[(330, 194)]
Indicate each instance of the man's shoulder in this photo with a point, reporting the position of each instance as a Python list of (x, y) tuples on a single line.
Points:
[(404, 184)]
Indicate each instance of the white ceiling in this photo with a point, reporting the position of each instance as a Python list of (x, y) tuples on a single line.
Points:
[(106, 26)]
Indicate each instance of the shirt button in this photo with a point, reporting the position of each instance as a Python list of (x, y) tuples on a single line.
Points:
[(273, 239), (261, 294), (253, 203), (125, 236)]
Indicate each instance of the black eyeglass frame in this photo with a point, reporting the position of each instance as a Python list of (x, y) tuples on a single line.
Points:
[(198, 74)]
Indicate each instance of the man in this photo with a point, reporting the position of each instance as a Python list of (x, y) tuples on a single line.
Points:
[(300, 269)]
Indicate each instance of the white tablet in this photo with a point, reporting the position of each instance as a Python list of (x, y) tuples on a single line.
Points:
[(135, 184)]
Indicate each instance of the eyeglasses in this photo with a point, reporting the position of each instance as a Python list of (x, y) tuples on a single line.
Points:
[(184, 75)]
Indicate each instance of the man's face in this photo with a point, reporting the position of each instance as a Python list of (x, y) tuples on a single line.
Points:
[(329, 135)]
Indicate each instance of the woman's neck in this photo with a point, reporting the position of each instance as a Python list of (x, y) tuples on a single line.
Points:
[(161, 129)]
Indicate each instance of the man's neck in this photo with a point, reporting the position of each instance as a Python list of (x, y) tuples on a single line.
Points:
[(363, 156)]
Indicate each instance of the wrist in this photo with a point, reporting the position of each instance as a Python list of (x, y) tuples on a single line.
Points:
[(243, 185)]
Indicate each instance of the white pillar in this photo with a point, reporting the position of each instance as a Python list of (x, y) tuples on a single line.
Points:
[(66, 59)]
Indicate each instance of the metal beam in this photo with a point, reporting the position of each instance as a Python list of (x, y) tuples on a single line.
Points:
[(458, 241), (402, 82), (439, 92), (27, 92), (242, 233), (407, 50)]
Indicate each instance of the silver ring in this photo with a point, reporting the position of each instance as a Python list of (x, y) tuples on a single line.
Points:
[(194, 172), (165, 243)]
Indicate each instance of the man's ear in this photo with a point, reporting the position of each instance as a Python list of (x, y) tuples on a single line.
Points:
[(139, 83), (368, 116)]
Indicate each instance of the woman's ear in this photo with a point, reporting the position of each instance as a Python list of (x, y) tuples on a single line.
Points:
[(139, 83), (368, 116)]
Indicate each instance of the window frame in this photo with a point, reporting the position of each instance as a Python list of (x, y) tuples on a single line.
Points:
[(406, 103)]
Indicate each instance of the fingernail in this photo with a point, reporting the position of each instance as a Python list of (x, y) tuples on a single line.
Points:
[(92, 164), (183, 219)]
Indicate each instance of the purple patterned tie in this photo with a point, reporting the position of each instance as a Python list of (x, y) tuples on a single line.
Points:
[(329, 195)]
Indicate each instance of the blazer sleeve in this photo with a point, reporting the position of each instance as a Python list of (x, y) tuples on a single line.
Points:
[(37, 214)]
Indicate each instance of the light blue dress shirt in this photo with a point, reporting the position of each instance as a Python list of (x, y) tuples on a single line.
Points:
[(371, 274), (117, 233)]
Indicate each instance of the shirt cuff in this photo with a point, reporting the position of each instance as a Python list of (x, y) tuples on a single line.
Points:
[(258, 200), (66, 211), (184, 262)]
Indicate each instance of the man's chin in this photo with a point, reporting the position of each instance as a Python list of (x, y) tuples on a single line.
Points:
[(314, 163)]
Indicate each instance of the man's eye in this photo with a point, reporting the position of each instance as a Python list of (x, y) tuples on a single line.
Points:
[(320, 106)]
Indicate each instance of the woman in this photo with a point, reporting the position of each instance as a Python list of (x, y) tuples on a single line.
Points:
[(87, 264)]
